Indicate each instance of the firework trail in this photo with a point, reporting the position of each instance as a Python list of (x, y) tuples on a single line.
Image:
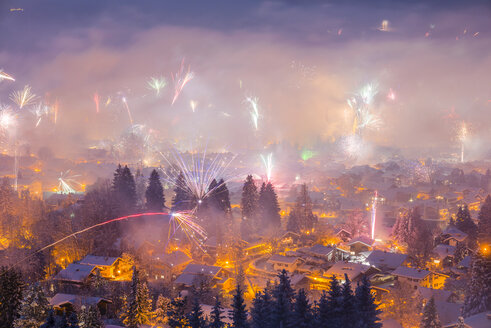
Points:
[(193, 104), (23, 97), (125, 102), (5, 76), (41, 110), (361, 103), (391, 95), (198, 173), (56, 107), (462, 136), (374, 213), (182, 220), (268, 165), (96, 101), (180, 79), (254, 110), (66, 183), (157, 84)]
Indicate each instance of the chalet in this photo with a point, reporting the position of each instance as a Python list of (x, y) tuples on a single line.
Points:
[(197, 273), (451, 236), (360, 244), (343, 234), (76, 273), (354, 271), (288, 263), (386, 261), (444, 254), (419, 277), (173, 264), (328, 253), (108, 266), (67, 303), (480, 320), (439, 295)]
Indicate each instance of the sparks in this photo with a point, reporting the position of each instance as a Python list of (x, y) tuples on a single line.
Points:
[(268, 165), (374, 213), (96, 102), (23, 97), (125, 102), (7, 119), (157, 84), (180, 79), (391, 95), (5, 76), (193, 105), (254, 110), (41, 110), (462, 136), (361, 103), (66, 182)]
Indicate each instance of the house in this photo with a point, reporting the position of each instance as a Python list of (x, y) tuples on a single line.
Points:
[(386, 261), (67, 303), (360, 244), (444, 254), (328, 253), (108, 266), (197, 273), (480, 320), (439, 295), (419, 277), (343, 234), (354, 271), (288, 263), (76, 273), (451, 236), (173, 264)]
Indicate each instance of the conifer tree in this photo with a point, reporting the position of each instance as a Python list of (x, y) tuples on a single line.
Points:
[(484, 225), (262, 310), (348, 304), (322, 312), (195, 317), (269, 207), (90, 317), (73, 321), (249, 200), (301, 218), (11, 287), (464, 223), (430, 316), (478, 298), (182, 200), (238, 314), (50, 320), (367, 310), (222, 195), (216, 315), (161, 309), (144, 303), (177, 313), (124, 191), (34, 308), (130, 315), (335, 301), (154, 195), (302, 316), (283, 295)]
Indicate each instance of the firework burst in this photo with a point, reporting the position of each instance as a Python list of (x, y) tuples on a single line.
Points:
[(254, 110), (186, 222), (180, 79), (67, 182), (5, 76), (157, 84), (41, 111), (7, 119), (463, 135), (361, 104), (268, 165), (23, 97)]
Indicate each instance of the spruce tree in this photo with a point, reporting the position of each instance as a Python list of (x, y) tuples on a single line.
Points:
[(222, 195), (11, 287), (367, 310), (464, 223), (484, 225), (161, 309), (176, 315), (238, 314), (50, 320), (262, 310), (90, 317), (73, 320), (34, 308), (461, 251), (348, 304), (283, 295), (195, 317), (335, 301), (182, 200), (322, 312), (130, 315), (124, 191), (430, 316), (216, 315), (269, 207), (478, 298), (301, 217), (249, 199), (144, 302), (154, 195), (302, 316)]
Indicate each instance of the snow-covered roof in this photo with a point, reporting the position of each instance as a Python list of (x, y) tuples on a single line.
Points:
[(466, 262), (352, 270), (176, 258), (318, 250), (202, 269), (442, 251), (448, 312), (61, 299), (410, 272), (75, 272), (283, 259), (437, 294), (186, 279), (98, 261), (383, 259), (480, 320), (455, 233), (361, 240)]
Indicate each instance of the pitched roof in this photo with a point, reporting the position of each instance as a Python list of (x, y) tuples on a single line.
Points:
[(442, 251), (455, 233), (61, 299), (98, 260), (187, 279), (466, 262), (283, 259), (382, 259), (352, 270), (437, 294), (410, 272), (361, 239), (202, 269), (75, 272), (176, 258), (320, 250)]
